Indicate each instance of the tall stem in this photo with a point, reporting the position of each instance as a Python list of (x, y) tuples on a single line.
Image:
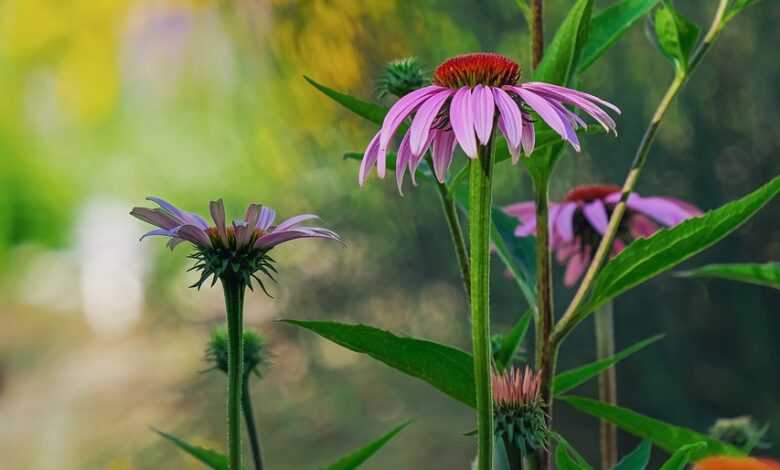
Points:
[(456, 232), (234, 303), (573, 316), (480, 202), (251, 429), (605, 347), (537, 32)]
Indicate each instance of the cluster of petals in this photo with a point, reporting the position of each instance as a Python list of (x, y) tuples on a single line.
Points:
[(446, 115), (578, 222), (515, 388), (255, 232)]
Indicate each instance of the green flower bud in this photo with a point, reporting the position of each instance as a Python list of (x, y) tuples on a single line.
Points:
[(256, 357), (401, 77)]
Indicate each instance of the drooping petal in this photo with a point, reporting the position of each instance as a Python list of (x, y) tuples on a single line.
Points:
[(640, 226), (572, 92), (414, 160), (462, 121), (483, 109), (217, 209), (369, 159), (183, 217), (659, 209), (513, 151), (529, 135), (402, 160), (267, 216), (194, 235), (576, 266), (246, 228), (423, 120), (275, 238), (582, 100), (565, 223), (295, 220), (549, 114), (156, 217), (596, 213), (566, 251), (525, 211), (510, 117), (402, 109), (160, 232), (442, 150)]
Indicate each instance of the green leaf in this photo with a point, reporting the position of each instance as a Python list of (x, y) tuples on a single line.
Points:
[(448, 369), (735, 8), (358, 457), (646, 258), (683, 455), (564, 461), (637, 459), (511, 341), (570, 379), (572, 452), (563, 54), (209, 457), (666, 436), (609, 25), (373, 112), (675, 35), (763, 274)]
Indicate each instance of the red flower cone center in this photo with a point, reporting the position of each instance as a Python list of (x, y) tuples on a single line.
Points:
[(591, 192), (477, 69)]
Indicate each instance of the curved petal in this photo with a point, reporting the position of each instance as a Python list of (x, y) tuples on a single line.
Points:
[(159, 232), (640, 226), (369, 159), (267, 216), (510, 116), (524, 211), (442, 150), (549, 114), (573, 93), (529, 135), (402, 160), (564, 225), (423, 120), (579, 99), (157, 217), (483, 109), (576, 266), (596, 214), (194, 235), (217, 209), (513, 151), (295, 220), (659, 209), (462, 121), (414, 160)]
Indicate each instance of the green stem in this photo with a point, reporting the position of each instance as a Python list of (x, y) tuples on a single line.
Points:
[(573, 316), (456, 232), (480, 203), (251, 429), (605, 347), (513, 455), (234, 302), (537, 32)]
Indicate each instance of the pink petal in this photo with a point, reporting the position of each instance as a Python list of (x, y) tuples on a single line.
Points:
[(462, 121), (267, 216), (442, 149), (510, 116), (295, 220), (596, 214), (217, 209), (423, 120), (565, 222), (549, 114), (659, 209), (369, 159), (529, 135), (402, 160), (484, 109), (576, 267), (522, 210), (513, 151), (641, 226)]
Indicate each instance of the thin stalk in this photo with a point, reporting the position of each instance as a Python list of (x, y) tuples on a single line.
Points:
[(480, 203), (456, 232), (537, 32), (234, 303), (251, 429), (605, 347), (572, 317), (545, 316)]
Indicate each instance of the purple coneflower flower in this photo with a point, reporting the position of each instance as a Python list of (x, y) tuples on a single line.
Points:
[(519, 419), (240, 247), (515, 388), (470, 94), (578, 222)]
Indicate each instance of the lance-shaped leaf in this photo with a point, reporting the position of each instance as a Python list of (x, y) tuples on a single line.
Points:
[(358, 457), (646, 258), (563, 54), (448, 369), (510, 342), (609, 25), (571, 452), (735, 7), (373, 112), (679, 460), (211, 458), (675, 36), (762, 274), (564, 461), (669, 437), (637, 459), (570, 379)]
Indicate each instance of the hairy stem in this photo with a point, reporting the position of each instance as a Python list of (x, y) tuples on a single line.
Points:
[(251, 429), (234, 303), (453, 222), (573, 316), (605, 347), (480, 203), (537, 32)]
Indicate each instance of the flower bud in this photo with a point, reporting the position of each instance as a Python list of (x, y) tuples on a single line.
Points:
[(400, 77), (256, 357)]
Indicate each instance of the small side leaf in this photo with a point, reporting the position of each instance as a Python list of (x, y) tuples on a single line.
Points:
[(675, 35), (570, 379), (609, 25), (666, 436), (762, 274), (373, 112), (511, 341), (646, 258), (736, 8), (358, 457), (212, 458), (680, 459), (448, 369), (637, 459), (563, 54)]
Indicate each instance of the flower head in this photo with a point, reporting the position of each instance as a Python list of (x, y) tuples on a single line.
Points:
[(578, 222), (736, 463), (519, 418), (239, 248), (255, 351), (401, 76), (470, 96)]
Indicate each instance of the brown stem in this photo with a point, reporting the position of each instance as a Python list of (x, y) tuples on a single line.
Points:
[(605, 347), (537, 32)]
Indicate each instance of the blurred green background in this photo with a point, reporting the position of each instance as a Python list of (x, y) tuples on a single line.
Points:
[(107, 101)]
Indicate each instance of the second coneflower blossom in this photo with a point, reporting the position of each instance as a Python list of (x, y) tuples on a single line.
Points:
[(519, 418), (470, 95), (578, 222), (240, 247)]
